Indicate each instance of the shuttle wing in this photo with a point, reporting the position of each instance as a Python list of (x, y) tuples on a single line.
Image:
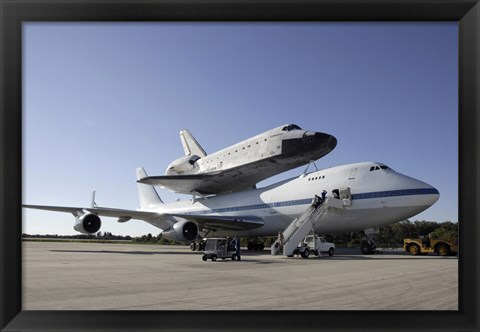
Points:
[(204, 183), (231, 180)]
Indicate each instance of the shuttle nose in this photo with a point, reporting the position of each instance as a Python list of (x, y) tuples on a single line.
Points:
[(309, 144), (328, 141)]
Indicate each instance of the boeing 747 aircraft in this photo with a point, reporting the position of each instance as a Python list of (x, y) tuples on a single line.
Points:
[(243, 165), (370, 195)]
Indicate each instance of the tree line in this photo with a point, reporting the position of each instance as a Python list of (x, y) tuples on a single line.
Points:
[(389, 236), (392, 235)]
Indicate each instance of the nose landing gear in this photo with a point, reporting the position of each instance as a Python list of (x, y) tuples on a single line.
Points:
[(368, 246)]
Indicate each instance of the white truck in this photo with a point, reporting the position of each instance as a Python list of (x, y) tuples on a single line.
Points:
[(315, 244)]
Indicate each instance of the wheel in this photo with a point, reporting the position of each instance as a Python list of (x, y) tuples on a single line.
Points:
[(306, 253), (261, 246), (193, 246), (214, 258), (316, 253), (331, 251), (255, 246), (442, 249), (204, 258), (413, 249), (365, 248)]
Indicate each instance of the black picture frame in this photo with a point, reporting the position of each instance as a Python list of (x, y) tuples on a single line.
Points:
[(13, 13)]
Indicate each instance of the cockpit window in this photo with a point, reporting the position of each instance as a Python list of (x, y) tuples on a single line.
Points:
[(376, 168), (291, 127)]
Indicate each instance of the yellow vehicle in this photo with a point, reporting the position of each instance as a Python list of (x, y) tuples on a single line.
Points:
[(428, 245)]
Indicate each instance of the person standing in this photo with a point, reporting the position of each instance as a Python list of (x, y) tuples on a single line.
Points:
[(281, 241), (237, 247)]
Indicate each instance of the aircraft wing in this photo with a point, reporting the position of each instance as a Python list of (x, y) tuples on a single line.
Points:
[(204, 221), (101, 211), (237, 223)]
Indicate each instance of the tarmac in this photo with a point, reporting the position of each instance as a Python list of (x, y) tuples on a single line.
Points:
[(103, 276)]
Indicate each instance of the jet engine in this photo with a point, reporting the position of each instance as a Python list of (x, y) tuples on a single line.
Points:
[(182, 231), (183, 165), (89, 223)]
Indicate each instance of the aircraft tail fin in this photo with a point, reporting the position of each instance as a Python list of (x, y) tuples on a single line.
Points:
[(146, 193), (190, 144)]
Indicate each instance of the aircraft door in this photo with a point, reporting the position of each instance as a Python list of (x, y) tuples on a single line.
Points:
[(346, 196), (353, 173)]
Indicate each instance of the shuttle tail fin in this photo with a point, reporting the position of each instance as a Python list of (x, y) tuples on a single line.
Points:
[(190, 144), (146, 193)]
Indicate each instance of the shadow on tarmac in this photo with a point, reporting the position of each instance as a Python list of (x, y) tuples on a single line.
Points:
[(124, 252), (250, 256)]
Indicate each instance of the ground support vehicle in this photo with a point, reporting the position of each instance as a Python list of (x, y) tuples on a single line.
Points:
[(427, 245), (314, 244), (220, 248)]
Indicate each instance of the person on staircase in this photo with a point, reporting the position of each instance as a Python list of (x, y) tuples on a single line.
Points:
[(316, 201), (324, 195)]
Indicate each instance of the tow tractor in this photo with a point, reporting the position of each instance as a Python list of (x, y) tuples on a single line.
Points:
[(315, 244), (219, 248), (428, 245)]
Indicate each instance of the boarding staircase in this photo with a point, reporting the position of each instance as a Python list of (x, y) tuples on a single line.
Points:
[(301, 226)]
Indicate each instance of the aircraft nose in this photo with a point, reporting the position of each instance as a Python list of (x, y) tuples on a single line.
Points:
[(433, 195), (426, 194)]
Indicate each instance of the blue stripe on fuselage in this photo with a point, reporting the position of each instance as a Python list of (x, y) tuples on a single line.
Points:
[(376, 194), (394, 193)]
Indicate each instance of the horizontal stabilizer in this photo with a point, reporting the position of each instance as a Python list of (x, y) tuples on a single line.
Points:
[(147, 194)]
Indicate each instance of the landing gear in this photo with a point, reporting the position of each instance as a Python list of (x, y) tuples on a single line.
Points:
[(368, 247), (197, 245), (255, 245)]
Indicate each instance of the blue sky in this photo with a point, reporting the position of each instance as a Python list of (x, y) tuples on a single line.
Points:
[(101, 99)]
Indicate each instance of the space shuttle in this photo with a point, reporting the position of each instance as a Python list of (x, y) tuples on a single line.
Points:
[(241, 166)]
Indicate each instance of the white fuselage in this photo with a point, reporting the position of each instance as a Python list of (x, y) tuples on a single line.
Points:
[(379, 196)]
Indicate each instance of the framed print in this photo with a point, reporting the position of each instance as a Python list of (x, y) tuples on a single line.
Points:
[(179, 24)]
